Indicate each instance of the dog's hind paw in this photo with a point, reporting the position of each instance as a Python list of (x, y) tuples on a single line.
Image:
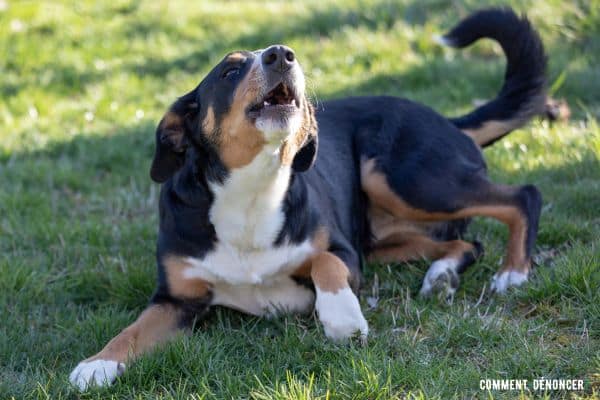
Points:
[(96, 372), (441, 277), (505, 279)]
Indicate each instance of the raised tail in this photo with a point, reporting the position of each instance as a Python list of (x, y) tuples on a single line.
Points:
[(523, 93)]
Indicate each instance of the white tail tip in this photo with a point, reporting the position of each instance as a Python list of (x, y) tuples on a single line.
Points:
[(442, 40)]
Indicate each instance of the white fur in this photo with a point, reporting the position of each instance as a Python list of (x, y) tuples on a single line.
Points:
[(236, 266), (282, 295), (340, 314), (247, 272), (97, 372), (247, 215), (442, 40), (503, 280), (246, 211), (438, 268), (276, 130)]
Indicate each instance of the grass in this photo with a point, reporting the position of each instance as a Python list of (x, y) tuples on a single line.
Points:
[(83, 84)]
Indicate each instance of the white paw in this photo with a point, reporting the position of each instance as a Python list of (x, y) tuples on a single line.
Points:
[(340, 314), (441, 277), (503, 280), (97, 372)]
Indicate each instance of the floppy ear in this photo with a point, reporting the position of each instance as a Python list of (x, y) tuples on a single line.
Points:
[(171, 140), (306, 156)]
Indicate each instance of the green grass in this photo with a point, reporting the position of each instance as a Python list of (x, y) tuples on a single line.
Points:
[(82, 86)]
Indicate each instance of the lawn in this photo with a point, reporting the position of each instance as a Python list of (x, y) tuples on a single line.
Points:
[(83, 84)]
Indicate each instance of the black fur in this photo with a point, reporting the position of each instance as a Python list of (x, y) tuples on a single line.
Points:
[(523, 93), (427, 160), (376, 161)]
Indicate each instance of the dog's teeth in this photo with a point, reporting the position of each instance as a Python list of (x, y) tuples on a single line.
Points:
[(266, 103)]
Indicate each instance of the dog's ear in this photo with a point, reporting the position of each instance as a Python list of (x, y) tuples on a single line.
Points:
[(171, 138), (306, 156)]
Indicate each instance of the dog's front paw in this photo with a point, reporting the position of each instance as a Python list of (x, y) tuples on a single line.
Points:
[(96, 372), (341, 315)]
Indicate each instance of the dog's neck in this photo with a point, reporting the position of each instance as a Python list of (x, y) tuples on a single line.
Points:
[(247, 209)]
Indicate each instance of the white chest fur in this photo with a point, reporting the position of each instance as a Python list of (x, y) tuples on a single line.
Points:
[(247, 214)]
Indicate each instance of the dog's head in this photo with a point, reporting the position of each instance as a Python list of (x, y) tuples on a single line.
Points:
[(248, 101)]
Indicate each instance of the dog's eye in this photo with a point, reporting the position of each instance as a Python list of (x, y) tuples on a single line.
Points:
[(230, 72)]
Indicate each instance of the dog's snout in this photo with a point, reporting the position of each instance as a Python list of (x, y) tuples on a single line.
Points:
[(278, 58)]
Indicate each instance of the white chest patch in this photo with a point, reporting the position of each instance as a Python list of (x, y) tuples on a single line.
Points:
[(246, 270), (246, 212)]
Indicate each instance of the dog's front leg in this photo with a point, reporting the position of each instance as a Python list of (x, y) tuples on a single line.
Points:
[(172, 310), (336, 304), (157, 324)]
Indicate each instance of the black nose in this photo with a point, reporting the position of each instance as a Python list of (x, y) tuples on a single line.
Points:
[(278, 58)]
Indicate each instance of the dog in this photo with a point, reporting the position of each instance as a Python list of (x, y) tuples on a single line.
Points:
[(268, 205)]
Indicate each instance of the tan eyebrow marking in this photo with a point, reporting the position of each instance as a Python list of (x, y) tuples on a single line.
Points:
[(236, 56)]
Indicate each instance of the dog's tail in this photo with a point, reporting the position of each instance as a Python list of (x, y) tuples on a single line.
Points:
[(523, 93)]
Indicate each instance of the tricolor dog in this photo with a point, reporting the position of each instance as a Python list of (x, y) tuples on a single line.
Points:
[(269, 206)]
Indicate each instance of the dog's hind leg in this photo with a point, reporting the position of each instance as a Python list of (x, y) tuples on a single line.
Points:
[(451, 258), (518, 207)]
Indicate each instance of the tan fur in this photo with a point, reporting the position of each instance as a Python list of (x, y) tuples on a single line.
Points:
[(171, 121), (172, 127), (320, 240), (413, 247), (303, 271), (290, 147), (320, 243), (386, 225), (375, 185), (329, 273), (239, 140), (236, 56), (155, 325), (490, 130), (209, 122), (179, 286)]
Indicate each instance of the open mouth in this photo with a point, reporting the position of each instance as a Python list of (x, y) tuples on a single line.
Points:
[(280, 100)]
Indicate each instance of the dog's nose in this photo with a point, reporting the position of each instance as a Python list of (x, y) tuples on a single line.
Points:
[(278, 58)]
